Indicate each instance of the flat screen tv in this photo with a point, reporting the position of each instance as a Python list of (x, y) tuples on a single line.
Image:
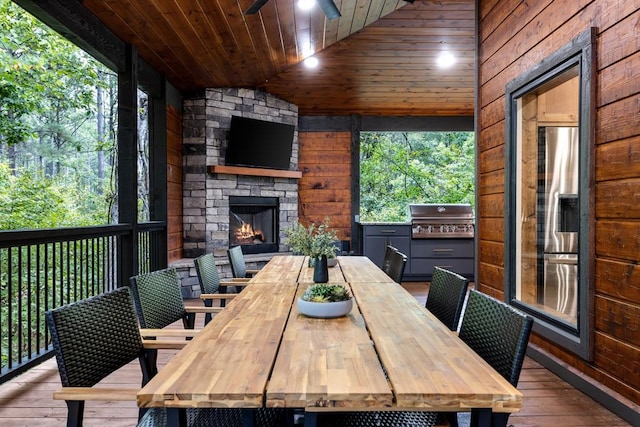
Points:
[(259, 144)]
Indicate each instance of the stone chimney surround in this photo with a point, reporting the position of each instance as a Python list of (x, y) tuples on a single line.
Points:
[(206, 122)]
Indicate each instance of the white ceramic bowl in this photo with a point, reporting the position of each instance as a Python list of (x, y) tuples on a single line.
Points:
[(325, 310)]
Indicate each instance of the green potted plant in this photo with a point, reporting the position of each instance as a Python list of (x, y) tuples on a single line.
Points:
[(313, 241), (299, 238), (325, 301)]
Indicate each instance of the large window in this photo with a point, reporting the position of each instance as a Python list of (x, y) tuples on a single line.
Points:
[(548, 264), (399, 168)]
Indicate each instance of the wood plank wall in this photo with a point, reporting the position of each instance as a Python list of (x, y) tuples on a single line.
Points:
[(513, 37), (325, 186), (174, 183)]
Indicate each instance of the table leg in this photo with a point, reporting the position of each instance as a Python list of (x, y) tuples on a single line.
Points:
[(481, 417), (248, 417), (176, 417), (310, 419)]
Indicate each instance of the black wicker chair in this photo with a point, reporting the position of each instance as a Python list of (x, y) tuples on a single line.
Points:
[(381, 419), (389, 251), (396, 266), (500, 335), (445, 299), (217, 417), (91, 339), (211, 287), (95, 337), (238, 266), (159, 303)]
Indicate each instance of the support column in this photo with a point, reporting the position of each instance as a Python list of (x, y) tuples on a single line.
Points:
[(128, 164)]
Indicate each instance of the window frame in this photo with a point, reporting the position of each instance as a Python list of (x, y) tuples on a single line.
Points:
[(581, 52)]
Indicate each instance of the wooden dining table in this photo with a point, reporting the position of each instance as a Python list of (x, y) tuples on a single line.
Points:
[(389, 353)]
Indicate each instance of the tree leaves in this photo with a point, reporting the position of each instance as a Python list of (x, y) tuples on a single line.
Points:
[(58, 157)]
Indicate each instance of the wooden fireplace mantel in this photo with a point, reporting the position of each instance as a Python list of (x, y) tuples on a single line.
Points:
[(239, 170)]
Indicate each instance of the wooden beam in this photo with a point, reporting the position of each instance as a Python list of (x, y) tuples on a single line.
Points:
[(75, 23), (238, 170), (386, 123)]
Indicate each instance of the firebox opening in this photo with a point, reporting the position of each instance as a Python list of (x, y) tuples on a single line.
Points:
[(253, 224)]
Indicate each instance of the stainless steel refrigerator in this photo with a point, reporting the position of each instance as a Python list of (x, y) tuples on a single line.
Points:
[(558, 213)]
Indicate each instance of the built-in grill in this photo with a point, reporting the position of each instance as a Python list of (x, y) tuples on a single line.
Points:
[(429, 221)]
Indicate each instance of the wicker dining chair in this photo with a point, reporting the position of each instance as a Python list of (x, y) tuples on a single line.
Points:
[(238, 265), (389, 251), (397, 266), (218, 417), (445, 299), (91, 339), (499, 334), (211, 288), (158, 300), (97, 336), (382, 419)]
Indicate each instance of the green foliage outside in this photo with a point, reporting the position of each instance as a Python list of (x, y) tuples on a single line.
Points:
[(57, 121), (58, 117), (401, 168), (31, 201)]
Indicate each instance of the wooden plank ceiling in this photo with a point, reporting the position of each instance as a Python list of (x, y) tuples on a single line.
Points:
[(378, 58)]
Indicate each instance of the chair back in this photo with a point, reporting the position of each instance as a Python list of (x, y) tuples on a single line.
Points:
[(446, 296), (207, 274), (94, 337), (158, 298), (497, 332), (397, 265), (236, 259), (388, 257)]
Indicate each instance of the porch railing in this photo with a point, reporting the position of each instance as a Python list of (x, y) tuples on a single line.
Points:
[(43, 269)]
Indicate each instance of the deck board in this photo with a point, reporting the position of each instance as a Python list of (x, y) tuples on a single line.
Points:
[(26, 400)]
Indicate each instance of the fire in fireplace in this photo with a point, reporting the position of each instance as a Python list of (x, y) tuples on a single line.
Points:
[(253, 224)]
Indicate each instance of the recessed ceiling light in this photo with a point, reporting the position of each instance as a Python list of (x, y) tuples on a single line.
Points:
[(446, 59), (311, 62), (306, 4)]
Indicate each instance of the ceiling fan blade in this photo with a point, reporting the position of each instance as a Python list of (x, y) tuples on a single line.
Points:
[(255, 7), (329, 8)]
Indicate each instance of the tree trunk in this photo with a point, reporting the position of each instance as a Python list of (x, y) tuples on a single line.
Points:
[(101, 137)]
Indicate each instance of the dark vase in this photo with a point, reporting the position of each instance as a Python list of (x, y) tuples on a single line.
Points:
[(321, 270)]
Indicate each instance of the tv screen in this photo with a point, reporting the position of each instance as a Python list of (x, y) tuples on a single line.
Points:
[(259, 144)]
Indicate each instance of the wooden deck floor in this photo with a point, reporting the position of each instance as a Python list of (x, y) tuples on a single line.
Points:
[(27, 401)]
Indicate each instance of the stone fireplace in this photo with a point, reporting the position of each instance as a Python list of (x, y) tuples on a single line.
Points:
[(213, 201)]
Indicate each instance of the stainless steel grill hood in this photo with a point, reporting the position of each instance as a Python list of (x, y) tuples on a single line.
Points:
[(442, 220)]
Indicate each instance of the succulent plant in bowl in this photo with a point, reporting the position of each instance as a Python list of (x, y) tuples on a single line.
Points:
[(325, 301), (322, 292)]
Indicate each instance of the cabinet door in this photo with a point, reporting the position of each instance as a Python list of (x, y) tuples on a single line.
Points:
[(424, 266), (453, 254), (442, 248)]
